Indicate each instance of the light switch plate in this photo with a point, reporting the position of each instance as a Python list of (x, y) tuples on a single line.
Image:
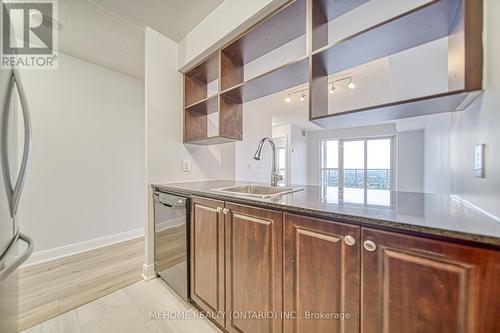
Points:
[(186, 165), (479, 161)]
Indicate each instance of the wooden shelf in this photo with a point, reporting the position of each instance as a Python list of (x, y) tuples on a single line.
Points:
[(324, 11), (214, 140), (334, 9), (196, 80), (207, 105), (419, 26), (282, 27), (207, 71), (279, 79), (448, 102), (461, 20), (228, 126)]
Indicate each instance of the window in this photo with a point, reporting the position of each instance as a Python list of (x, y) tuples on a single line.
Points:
[(360, 168)]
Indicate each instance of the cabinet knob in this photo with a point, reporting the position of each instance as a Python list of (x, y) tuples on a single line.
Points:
[(225, 211), (219, 210), (369, 246), (350, 240)]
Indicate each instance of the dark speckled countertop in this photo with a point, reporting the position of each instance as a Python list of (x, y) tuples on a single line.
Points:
[(432, 214)]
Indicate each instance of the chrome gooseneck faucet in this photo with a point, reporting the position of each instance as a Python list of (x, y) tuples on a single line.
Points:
[(275, 176)]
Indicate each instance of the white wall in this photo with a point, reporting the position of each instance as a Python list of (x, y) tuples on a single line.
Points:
[(86, 176), (314, 138), (480, 123), (410, 161), (256, 125), (437, 175), (164, 127), (299, 170), (297, 154), (165, 150)]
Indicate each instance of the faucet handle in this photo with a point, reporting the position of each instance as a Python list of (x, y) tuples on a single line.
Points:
[(278, 177)]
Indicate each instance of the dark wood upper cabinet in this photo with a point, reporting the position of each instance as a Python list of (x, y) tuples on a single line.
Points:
[(207, 256), (412, 284), (254, 278), (322, 275), (217, 118), (402, 62), (278, 29), (209, 118), (425, 60)]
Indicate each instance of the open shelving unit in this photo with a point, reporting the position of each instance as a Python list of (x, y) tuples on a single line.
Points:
[(276, 80), (218, 118), (209, 119), (459, 20), (455, 26)]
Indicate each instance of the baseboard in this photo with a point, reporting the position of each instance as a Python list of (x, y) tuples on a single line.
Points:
[(148, 272), (67, 250), (474, 207)]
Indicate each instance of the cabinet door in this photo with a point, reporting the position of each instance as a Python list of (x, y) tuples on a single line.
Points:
[(254, 267), (413, 284), (321, 275), (207, 256)]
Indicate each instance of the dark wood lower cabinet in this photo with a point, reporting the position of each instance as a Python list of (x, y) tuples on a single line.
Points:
[(417, 285), (207, 257), (322, 275), (254, 278), (265, 271)]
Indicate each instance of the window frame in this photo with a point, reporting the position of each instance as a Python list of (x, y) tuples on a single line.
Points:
[(340, 169)]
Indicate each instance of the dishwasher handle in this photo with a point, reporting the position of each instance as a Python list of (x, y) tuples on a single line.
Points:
[(169, 200)]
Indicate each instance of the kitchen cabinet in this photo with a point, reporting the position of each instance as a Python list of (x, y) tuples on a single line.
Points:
[(207, 257), (236, 265), (427, 59), (215, 90), (413, 284), (274, 271), (322, 275), (209, 118), (254, 278), (361, 67)]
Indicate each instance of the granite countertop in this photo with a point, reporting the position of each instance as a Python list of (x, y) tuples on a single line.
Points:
[(433, 214)]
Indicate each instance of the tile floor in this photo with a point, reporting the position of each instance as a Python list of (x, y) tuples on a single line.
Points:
[(129, 310)]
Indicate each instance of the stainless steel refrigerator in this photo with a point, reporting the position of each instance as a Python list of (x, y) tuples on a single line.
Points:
[(15, 146)]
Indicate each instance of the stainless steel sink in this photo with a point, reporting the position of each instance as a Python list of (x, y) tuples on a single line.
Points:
[(261, 191)]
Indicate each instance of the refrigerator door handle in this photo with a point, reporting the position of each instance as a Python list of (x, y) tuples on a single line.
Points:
[(14, 191), (8, 269)]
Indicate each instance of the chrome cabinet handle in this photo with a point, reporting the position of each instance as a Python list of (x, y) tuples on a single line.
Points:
[(6, 270), (369, 246), (14, 190), (219, 210), (225, 211), (350, 240)]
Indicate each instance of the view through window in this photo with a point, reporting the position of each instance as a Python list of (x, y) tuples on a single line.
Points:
[(360, 168)]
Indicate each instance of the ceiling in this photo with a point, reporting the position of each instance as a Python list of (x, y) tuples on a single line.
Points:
[(172, 18), (97, 36), (110, 33)]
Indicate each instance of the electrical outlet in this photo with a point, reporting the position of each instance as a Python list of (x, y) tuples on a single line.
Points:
[(479, 161), (186, 165)]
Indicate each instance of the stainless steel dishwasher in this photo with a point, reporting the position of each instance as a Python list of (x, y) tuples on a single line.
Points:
[(171, 214)]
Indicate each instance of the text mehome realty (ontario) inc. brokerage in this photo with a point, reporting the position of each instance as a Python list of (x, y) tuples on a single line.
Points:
[(250, 315)]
